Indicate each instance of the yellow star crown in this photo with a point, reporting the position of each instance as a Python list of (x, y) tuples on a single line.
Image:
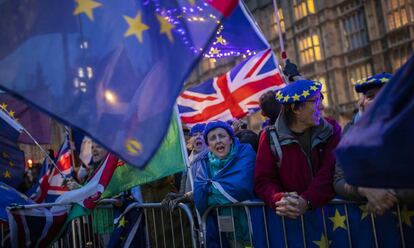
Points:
[(384, 80), (279, 96), (295, 97), (136, 27), (314, 88), (305, 93), (166, 27), (86, 7), (286, 98)]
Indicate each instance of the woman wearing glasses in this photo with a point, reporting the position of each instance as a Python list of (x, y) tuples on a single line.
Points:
[(295, 160)]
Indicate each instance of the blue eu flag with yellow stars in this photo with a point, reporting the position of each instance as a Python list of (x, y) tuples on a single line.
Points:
[(11, 157), (110, 68)]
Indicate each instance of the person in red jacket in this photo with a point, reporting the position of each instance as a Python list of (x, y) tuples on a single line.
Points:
[(295, 161)]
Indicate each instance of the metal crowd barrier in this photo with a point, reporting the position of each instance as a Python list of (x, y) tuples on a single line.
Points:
[(227, 227), (162, 228)]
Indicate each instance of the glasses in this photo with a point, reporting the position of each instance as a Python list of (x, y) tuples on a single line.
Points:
[(316, 100)]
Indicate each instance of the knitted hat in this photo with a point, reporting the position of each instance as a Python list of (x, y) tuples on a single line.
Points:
[(198, 128), (216, 124), (376, 81), (298, 91)]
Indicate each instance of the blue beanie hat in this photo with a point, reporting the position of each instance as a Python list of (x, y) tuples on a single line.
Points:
[(198, 128), (376, 81), (298, 91), (216, 124)]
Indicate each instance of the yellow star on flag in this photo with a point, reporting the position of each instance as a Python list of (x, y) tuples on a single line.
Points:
[(406, 216), (86, 7), (192, 2), (136, 27), (314, 88), (6, 174), (4, 155), (305, 93), (11, 163), (286, 98), (3, 106), (295, 97), (323, 242), (122, 222), (221, 40), (166, 27), (338, 220), (11, 113), (214, 51), (364, 211)]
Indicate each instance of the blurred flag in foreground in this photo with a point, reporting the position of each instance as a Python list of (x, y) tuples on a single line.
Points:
[(376, 151), (111, 68)]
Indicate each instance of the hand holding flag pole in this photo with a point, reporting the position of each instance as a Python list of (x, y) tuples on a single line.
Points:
[(20, 128)]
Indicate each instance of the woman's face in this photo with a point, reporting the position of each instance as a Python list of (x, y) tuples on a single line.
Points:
[(219, 142), (311, 111)]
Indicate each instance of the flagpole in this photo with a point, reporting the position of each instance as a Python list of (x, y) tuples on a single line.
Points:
[(184, 153), (279, 30), (23, 129)]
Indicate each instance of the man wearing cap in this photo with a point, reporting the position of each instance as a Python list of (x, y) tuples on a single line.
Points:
[(379, 200), (295, 160)]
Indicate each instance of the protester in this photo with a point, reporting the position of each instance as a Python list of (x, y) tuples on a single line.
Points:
[(295, 161), (224, 175), (98, 155), (198, 150), (270, 108), (245, 135), (379, 199)]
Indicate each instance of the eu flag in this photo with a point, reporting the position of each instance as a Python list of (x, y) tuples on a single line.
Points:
[(8, 197), (376, 151), (110, 68), (11, 157)]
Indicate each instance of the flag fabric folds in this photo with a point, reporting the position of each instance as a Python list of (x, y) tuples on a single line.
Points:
[(8, 197), (88, 195), (36, 123), (35, 227), (51, 183), (167, 161), (110, 68), (375, 152), (129, 227), (12, 161), (335, 225), (234, 94)]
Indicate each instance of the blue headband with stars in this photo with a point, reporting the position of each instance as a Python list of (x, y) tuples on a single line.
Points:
[(298, 91), (376, 81)]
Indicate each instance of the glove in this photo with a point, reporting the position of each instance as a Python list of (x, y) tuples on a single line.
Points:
[(169, 202), (92, 200), (291, 70)]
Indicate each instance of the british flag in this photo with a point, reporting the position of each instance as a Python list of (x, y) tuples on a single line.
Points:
[(51, 183), (234, 94)]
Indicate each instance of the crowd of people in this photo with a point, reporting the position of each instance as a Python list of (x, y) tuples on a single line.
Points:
[(290, 165)]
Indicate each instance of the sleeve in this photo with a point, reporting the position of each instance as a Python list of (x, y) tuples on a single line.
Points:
[(266, 178), (321, 191), (343, 189)]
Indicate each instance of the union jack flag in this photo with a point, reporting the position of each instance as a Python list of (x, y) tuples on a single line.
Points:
[(234, 94), (51, 183)]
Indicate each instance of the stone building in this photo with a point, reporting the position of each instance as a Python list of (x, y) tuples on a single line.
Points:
[(334, 41)]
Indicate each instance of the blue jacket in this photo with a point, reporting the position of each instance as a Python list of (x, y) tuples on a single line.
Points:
[(234, 181)]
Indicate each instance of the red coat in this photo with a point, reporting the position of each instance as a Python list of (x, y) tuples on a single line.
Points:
[(294, 173)]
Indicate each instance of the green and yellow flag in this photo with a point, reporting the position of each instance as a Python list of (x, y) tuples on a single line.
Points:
[(167, 161)]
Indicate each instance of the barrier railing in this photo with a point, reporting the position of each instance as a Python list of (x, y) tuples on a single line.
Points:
[(339, 224), (247, 224)]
